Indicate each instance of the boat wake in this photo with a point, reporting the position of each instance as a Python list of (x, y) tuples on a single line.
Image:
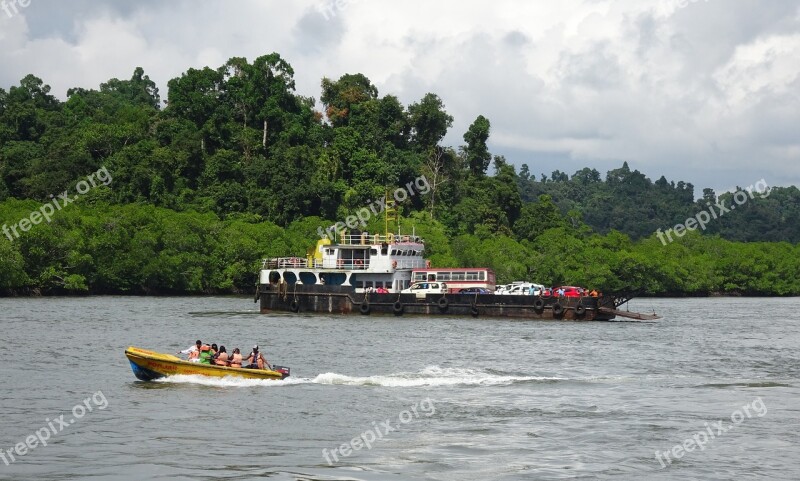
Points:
[(430, 376)]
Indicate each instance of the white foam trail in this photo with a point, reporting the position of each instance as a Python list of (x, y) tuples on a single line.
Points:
[(429, 376)]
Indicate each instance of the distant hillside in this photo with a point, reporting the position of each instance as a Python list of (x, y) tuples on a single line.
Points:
[(631, 203)]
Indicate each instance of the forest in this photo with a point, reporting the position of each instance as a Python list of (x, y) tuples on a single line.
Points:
[(234, 166)]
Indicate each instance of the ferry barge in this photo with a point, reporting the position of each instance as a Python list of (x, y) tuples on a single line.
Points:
[(364, 274)]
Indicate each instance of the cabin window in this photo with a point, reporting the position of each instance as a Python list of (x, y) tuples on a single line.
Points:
[(472, 276), (444, 276), (483, 275), (373, 252)]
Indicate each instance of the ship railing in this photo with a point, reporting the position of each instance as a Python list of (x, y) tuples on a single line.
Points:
[(409, 263), (284, 263), (342, 264), (365, 239)]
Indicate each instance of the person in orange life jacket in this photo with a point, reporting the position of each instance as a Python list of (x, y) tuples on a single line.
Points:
[(256, 360), (236, 358), (205, 354), (193, 351), (221, 358)]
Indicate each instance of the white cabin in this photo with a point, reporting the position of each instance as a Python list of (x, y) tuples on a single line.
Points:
[(359, 260)]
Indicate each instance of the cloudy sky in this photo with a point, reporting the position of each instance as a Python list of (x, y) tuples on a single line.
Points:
[(705, 91)]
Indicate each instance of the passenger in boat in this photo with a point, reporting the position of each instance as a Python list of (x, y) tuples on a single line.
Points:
[(236, 358), (221, 358), (561, 292), (193, 351), (214, 351), (593, 293), (256, 359), (205, 354)]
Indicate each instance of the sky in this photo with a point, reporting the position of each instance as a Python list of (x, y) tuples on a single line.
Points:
[(703, 91)]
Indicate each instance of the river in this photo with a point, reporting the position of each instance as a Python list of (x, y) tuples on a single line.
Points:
[(708, 392)]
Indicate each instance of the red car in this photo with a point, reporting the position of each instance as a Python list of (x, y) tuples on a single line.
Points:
[(571, 291)]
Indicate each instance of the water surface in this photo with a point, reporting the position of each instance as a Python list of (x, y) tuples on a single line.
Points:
[(466, 398)]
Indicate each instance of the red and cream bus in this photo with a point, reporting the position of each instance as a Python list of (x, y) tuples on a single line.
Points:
[(457, 278)]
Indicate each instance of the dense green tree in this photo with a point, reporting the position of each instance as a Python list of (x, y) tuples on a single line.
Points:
[(476, 151), (429, 122)]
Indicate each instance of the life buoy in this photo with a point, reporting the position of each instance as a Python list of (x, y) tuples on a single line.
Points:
[(364, 308), (443, 303), (294, 306), (538, 304), (397, 308), (474, 311), (580, 309), (558, 309)]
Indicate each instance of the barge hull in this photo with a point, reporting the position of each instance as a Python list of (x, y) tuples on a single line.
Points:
[(342, 300)]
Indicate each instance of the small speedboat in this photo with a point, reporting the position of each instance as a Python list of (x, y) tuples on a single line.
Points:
[(149, 365)]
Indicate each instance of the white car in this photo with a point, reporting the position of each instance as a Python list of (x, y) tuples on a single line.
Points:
[(522, 289), (421, 289)]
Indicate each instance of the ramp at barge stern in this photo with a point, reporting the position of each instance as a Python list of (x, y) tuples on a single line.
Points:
[(300, 298)]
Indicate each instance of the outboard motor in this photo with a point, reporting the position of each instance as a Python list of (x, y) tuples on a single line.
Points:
[(285, 371)]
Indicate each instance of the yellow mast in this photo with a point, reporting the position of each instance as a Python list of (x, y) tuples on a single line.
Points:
[(390, 213)]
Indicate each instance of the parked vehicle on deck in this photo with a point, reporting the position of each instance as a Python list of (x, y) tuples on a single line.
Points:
[(521, 289), (421, 289), (475, 290), (571, 291)]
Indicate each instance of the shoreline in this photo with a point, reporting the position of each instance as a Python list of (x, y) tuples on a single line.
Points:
[(37, 293)]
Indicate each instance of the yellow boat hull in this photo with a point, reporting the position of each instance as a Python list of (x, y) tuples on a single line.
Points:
[(149, 365)]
